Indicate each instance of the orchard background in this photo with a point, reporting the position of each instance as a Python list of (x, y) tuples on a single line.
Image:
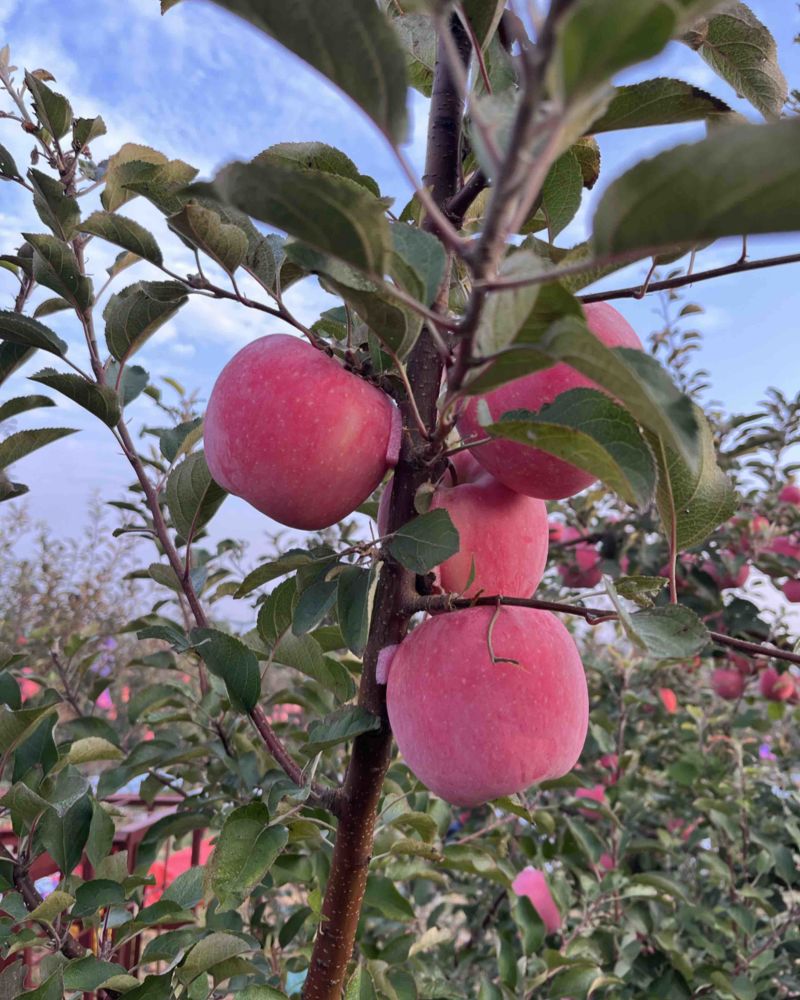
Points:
[(163, 643)]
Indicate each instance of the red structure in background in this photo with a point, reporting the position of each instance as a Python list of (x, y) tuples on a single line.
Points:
[(128, 837)]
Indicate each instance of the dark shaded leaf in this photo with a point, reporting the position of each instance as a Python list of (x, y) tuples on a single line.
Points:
[(425, 542), (99, 400), (192, 495), (741, 179), (125, 233), (373, 73), (228, 658)]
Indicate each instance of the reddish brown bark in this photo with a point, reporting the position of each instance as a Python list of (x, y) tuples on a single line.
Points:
[(358, 800)]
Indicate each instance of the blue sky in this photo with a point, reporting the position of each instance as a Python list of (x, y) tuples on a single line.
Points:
[(200, 85)]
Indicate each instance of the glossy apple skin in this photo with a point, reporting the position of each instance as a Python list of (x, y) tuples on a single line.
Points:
[(529, 470), (790, 494), (295, 435), (472, 729), (791, 591), (506, 534), (533, 883), (775, 686), (727, 684)]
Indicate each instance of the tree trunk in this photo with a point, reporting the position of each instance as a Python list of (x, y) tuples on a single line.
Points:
[(371, 756)]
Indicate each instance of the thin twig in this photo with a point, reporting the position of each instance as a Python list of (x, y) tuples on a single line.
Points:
[(739, 267), (592, 616)]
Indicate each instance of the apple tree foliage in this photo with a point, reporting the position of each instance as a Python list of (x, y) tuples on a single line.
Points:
[(672, 850)]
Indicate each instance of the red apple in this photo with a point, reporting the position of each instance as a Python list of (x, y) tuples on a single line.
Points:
[(727, 684), (597, 793), (532, 883), (775, 686), (786, 545), (472, 727), (727, 575), (297, 436), (790, 494), (529, 470), (503, 534), (791, 591), (668, 699)]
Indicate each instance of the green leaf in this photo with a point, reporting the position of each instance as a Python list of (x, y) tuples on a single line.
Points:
[(86, 130), (275, 614), (52, 110), (23, 331), (134, 314), (313, 603), (17, 446), (741, 179), (740, 49), (175, 440), (661, 101), (383, 895), (21, 404), (339, 727), (51, 989), (425, 542), (127, 175), (593, 432), (633, 377), (290, 561), (303, 653), (640, 589), (101, 835), (163, 184), (192, 495), (507, 311), (226, 244), (244, 853), (354, 606), (668, 633), (56, 266), (96, 895), (228, 658), (89, 973), (561, 193), (91, 749), (125, 233), (664, 884), (153, 695), (418, 261), (598, 38), (133, 382), (260, 993), (693, 502), (9, 490), (360, 986), (332, 214), (217, 947), (484, 16), (187, 889), (50, 306), (8, 167), (587, 152), (99, 400), (52, 906), (57, 211), (417, 36), (350, 42), (318, 156), (12, 355), (65, 836)]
